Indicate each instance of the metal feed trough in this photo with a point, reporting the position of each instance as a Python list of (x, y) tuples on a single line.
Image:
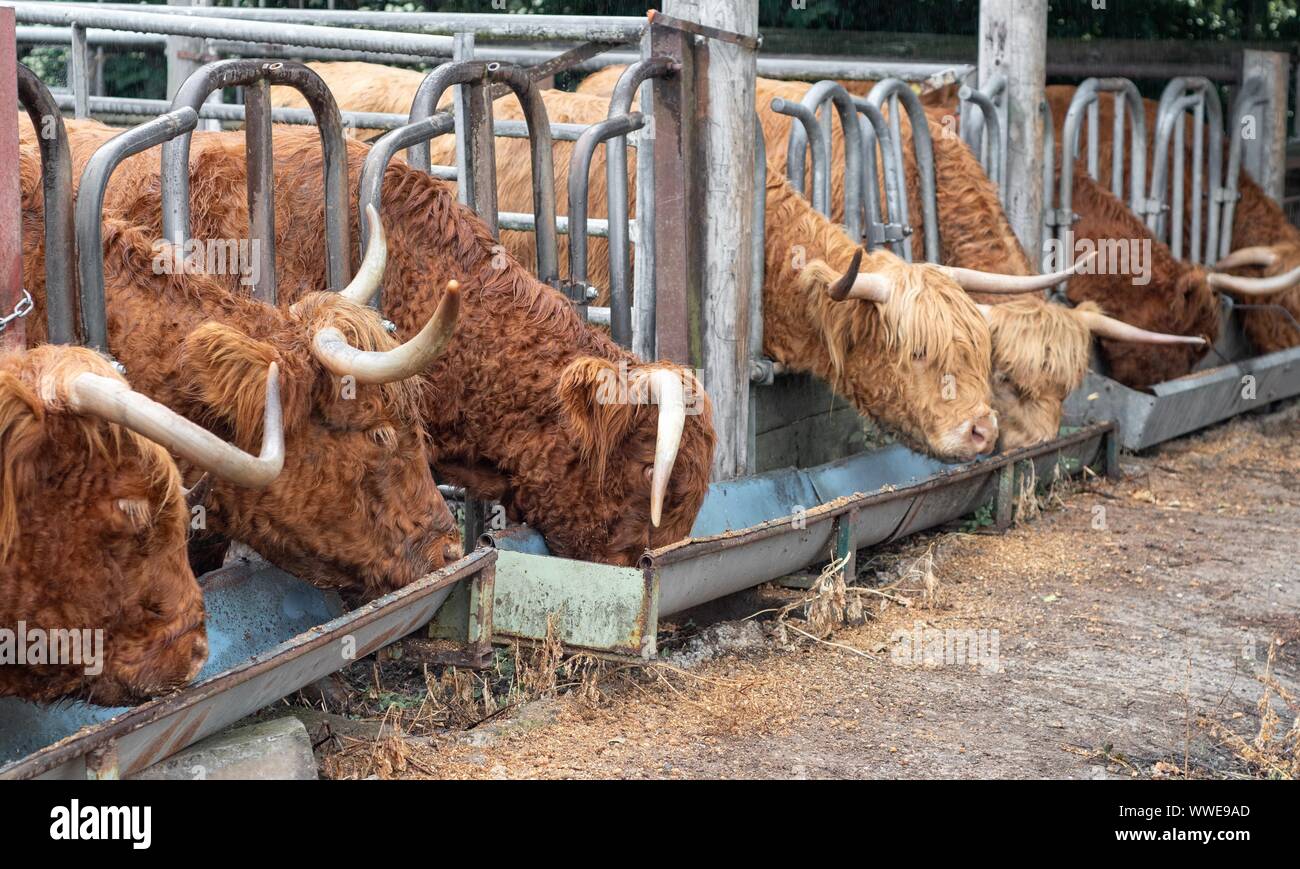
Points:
[(1238, 382), (269, 634)]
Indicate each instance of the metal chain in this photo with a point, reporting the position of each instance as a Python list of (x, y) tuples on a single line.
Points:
[(22, 309)]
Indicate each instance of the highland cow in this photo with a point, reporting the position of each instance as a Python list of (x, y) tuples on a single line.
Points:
[(97, 600), (356, 507)]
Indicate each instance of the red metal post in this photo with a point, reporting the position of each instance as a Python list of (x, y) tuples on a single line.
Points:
[(11, 239)]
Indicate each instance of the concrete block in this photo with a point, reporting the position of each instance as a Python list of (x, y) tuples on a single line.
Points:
[(270, 750)]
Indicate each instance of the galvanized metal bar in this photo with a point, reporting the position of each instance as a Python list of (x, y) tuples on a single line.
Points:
[(1253, 93), (1200, 96), (760, 367), (382, 152), (209, 21), (988, 114), (79, 72), (261, 187), (535, 27), (463, 51), (620, 260), (579, 172), (111, 38), (821, 180), (894, 227), (235, 73), (89, 209), (61, 300), (823, 96), (645, 336), (924, 149)]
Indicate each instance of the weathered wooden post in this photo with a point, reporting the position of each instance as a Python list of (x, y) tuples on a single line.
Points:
[(12, 299), (184, 55), (1264, 156), (1013, 41), (721, 190)]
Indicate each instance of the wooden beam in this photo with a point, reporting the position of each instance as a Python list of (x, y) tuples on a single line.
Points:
[(1013, 41), (1265, 156), (722, 191)]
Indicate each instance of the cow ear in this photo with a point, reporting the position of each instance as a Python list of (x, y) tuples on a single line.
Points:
[(227, 371), (21, 437), (594, 394)]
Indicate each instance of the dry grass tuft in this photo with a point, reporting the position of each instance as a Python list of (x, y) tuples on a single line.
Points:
[(1274, 752)]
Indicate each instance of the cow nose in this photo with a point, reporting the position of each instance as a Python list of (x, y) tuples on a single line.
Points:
[(451, 552), (983, 433)]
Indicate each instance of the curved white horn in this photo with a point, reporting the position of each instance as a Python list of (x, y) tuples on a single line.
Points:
[(1255, 286), (977, 281), (1259, 255), (853, 285), (669, 393), (1117, 330), (386, 366), (113, 401), (371, 274)]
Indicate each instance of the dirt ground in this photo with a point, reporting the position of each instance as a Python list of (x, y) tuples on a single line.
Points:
[(1125, 631)]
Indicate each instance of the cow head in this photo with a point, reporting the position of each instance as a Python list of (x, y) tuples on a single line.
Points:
[(1040, 354), (356, 507), (94, 523), (909, 348), (644, 433), (1265, 275)]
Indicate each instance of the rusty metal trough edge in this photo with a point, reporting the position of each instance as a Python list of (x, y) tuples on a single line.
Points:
[(387, 619)]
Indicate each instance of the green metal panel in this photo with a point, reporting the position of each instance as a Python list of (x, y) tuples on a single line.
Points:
[(595, 606)]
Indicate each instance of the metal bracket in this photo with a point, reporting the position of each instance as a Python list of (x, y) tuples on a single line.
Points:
[(753, 43)]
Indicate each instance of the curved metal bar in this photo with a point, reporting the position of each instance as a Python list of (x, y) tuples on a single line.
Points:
[(924, 150), (1084, 98), (820, 155), (616, 192), (61, 302), (973, 130), (90, 210), (477, 74), (758, 371), (1253, 92), (988, 115), (1181, 94), (176, 157), (818, 95), (894, 227), (579, 174), (370, 191)]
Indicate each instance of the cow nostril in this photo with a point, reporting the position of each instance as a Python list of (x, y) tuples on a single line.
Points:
[(983, 432)]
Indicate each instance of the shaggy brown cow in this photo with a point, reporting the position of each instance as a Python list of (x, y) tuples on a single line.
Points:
[(1258, 222), (1040, 351), (940, 406), (530, 406), (356, 507), (93, 523)]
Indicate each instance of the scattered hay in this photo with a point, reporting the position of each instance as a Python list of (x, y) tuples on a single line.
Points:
[(1274, 752)]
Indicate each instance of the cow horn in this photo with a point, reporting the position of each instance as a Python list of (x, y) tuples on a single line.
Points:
[(671, 397), (371, 274), (973, 280), (1254, 286), (113, 401), (1117, 330), (386, 366), (853, 285), (1259, 255)]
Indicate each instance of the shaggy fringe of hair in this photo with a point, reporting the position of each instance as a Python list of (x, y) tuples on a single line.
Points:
[(1044, 348), (40, 388)]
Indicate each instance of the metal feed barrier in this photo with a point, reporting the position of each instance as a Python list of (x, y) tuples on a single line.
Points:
[(269, 633), (1228, 382)]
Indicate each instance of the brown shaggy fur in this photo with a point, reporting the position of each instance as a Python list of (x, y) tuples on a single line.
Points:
[(497, 406), (928, 318), (1258, 220), (356, 507), (92, 536)]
